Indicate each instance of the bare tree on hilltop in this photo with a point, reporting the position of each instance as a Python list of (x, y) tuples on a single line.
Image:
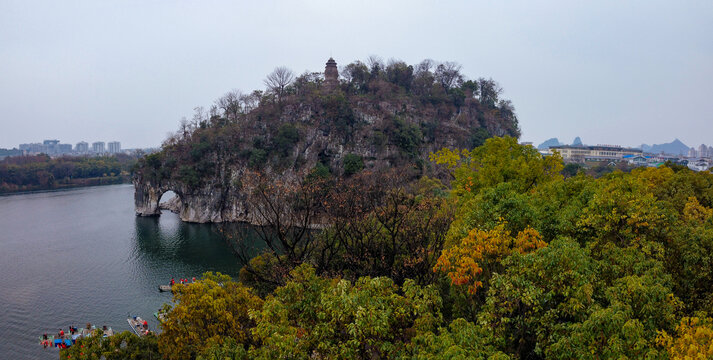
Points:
[(448, 75), (278, 80), (230, 104)]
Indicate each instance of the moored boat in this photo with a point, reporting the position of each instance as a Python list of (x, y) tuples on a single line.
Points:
[(137, 325), (107, 331), (160, 315), (164, 288)]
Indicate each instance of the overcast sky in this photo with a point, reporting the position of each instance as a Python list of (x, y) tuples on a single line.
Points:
[(611, 72)]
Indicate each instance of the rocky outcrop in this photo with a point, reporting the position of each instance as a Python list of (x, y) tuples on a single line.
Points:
[(202, 205), (146, 198)]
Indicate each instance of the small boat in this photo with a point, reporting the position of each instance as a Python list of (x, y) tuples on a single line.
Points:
[(137, 325), (87, 331), (107, 331), (160, 315), (164, 288), (63, 343)]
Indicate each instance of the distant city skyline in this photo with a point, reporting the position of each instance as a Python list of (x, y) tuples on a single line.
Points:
[(624, 73), (73, 143), (55, 147)]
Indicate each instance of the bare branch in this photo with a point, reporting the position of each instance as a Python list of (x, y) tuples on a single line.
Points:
[(278, 80)]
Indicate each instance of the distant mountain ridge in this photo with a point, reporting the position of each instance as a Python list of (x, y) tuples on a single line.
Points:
[(675, 147), (555, 142), (549, 142)]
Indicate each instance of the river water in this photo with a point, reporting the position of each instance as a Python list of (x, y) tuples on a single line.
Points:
[(77, 256)]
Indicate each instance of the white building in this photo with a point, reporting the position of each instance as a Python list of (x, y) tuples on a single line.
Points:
[(703, 151), (82, 147), (572, 153), (692, 153), (114, 147), (98, 147)]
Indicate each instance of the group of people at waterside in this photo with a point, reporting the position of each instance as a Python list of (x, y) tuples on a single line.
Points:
[(166, 288), (65, 340), (181, 281), (138, 325)]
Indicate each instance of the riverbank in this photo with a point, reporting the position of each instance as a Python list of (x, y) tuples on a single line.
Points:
[(70, 184), (22, 174)]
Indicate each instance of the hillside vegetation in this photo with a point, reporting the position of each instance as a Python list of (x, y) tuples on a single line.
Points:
[(379, 115)]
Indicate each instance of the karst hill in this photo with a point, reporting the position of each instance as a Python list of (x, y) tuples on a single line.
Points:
[(367, 116)]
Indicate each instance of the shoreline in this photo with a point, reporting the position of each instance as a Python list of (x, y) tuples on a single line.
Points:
[(93, 183)]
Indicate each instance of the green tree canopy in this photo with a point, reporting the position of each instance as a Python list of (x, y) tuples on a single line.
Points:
[(205, 313)]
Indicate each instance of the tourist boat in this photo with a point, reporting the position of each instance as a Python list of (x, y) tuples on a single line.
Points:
[(137, 324)]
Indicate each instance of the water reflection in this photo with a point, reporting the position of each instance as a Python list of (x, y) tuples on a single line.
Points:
[(192, 248)]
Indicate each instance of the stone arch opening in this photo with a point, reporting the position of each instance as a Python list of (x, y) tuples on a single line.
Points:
[(171, 201), (147, 198)]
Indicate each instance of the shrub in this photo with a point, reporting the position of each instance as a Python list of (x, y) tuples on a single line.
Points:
[(257, 158), (287, 137), (353, 164)]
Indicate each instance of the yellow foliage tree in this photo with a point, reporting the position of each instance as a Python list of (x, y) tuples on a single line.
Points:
[(205, 313), (480, 253), (499, 160), (693, 340), (653, 178), (694, 211)]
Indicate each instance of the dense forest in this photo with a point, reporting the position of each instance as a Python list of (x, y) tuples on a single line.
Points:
[(505, 258), (40, 172)]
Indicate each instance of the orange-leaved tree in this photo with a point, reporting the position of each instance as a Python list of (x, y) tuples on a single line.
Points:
[(479, 254)]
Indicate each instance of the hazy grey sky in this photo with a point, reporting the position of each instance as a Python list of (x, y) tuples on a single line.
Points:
[(616, 72)]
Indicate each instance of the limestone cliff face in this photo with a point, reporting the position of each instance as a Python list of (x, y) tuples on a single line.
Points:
[(201, 205), (383, 124)]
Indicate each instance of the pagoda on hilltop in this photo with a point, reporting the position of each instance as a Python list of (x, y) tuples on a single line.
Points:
[(331, 75)]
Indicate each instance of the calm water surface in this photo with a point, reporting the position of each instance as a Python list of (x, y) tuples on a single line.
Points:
[(77, 256)]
